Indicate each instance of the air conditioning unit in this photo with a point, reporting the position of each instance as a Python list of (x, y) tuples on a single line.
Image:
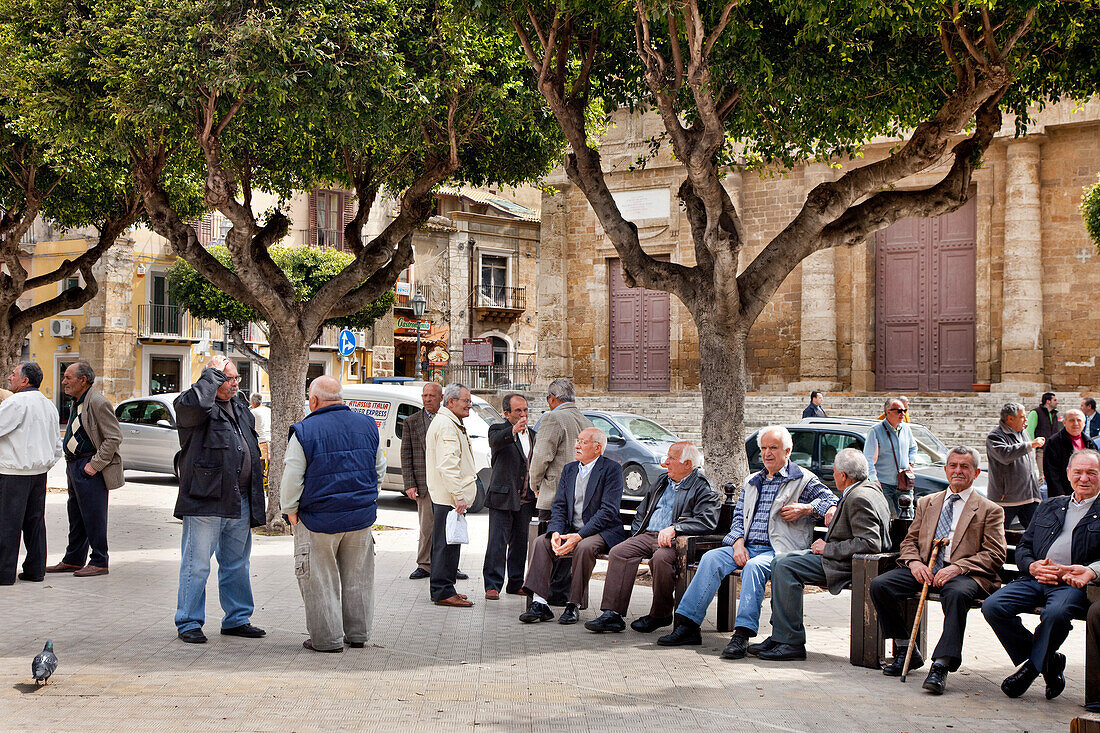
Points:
[(61, 327)]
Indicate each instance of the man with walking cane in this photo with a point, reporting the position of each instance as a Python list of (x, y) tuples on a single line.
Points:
[(965, 570)]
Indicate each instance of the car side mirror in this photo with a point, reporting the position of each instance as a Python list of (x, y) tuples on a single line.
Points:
[(616, 440), (164, 423)]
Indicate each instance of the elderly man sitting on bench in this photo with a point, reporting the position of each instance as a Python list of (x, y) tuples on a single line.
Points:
[(774, 514)]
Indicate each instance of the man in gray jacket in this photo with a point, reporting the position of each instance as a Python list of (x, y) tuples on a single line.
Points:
[(861, 525), (29, 445), (558, 431), (1013, 473)]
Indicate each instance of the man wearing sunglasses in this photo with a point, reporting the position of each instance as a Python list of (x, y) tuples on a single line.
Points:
[(221, 498), (890, 449)]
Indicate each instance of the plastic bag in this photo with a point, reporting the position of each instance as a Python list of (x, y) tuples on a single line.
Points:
[(457, 534)]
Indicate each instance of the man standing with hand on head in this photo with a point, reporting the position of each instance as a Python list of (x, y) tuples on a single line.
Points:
[(221, 498), (510, 500)]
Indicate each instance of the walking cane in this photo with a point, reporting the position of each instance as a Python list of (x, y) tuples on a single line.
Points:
[(936, 545)]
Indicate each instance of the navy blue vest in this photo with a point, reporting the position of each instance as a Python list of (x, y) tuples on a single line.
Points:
[(341, 481)]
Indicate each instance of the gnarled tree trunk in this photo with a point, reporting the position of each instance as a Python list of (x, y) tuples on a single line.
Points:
[(286, 371)]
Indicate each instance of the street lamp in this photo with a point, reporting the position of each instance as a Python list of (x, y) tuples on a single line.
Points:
[(418, 302)]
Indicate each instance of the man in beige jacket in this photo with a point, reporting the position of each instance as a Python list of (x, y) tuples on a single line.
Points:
[(452, 484), (560, 425)]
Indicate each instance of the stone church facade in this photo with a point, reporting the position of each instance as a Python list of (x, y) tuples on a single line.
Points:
[(999, 292)]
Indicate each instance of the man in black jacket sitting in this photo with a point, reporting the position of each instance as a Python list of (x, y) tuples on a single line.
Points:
[(221, 498), (682, 502), (1058, 555)]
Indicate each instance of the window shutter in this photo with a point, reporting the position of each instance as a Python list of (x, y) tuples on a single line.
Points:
[(206, 230), (311, 235), (349, 214)]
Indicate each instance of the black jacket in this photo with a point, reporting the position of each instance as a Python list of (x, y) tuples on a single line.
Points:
[(510, 468), (211, 453), (695, 508), (1056, 455), (1047, 524)]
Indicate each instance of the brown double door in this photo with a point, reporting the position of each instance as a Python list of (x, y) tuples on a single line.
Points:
[(925, 303), (639, 336)]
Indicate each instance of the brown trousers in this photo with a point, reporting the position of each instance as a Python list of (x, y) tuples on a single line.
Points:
[(583, 559), (622, 569), (426, 516)]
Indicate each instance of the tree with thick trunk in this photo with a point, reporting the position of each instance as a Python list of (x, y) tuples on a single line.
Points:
[(756, 85), (282, 98)]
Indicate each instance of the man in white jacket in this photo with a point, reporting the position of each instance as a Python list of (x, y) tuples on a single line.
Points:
[(30, 443), (452, 484)]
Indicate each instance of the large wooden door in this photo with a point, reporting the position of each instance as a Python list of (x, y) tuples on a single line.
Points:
[(639, 336), (925, 304)]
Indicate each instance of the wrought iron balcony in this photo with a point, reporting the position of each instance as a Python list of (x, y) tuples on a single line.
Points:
[(492, 302)]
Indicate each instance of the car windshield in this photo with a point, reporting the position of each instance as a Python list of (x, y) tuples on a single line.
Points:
[(930, 451), (487, 413), (646, 431)]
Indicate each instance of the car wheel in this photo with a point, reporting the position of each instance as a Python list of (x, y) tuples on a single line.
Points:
[(479, 500), (635, 482)]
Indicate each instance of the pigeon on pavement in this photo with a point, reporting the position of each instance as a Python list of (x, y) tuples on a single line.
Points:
[(44, 664)]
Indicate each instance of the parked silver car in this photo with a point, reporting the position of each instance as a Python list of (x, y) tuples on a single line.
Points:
[(150, 441)]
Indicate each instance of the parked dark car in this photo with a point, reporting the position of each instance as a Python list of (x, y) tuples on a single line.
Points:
[(817, 440), (150, 441), (637, 443)]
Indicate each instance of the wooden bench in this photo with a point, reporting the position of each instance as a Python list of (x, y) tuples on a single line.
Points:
[(868, 646)]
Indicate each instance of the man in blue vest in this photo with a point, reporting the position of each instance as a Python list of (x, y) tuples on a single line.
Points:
[(329, 493)]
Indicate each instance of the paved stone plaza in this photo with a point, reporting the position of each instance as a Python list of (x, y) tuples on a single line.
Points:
[(431, 668)]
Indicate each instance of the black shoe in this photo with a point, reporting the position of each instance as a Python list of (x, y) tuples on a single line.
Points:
[(764, 646), (1017, 683), (936, 681), (684, 634), (29, 579), (419, 574), (569, 615), (355, 644), (193, 636), (537, 612), (648, 624), (737, 648), (461, 575), (608, 621), (783, 653), (1055, 676), (248, 631), (893, 669), (1092, 707)]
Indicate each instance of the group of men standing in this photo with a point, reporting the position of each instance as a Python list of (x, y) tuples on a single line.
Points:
[(30, 444)]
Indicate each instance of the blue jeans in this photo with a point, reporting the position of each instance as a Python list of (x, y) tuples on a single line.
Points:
[(231, 541), (715, 565)]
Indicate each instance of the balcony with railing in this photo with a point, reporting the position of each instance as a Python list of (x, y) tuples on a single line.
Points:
[(171, 323), (492, 302), (403, 301), (494, 376)]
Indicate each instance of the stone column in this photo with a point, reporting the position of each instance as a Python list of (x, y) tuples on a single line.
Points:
[(817, 361), (1022, 309), (108, 340), (553, 358)]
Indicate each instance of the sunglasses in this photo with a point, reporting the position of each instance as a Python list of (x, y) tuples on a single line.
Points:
[(897, 409)]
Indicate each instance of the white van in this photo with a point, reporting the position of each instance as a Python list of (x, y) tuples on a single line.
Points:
[(390, 404)]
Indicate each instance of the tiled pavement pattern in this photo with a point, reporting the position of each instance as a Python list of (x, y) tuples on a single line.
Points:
[(431, 668)]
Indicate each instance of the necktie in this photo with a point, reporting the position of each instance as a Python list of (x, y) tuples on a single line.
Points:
[(943, 527)]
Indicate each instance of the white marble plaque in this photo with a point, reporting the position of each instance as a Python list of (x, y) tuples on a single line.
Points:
[(643, 204)]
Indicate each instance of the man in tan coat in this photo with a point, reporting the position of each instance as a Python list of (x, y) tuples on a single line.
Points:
[(452, 484), (93, 467), (558, 431), (966, 570)]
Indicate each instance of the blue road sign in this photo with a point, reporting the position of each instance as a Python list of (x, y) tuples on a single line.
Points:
[(347, 343)]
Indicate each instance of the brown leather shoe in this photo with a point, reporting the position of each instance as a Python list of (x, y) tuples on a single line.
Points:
[(89, 571), (62, 567), (456, 601), (463, 596), (492, 595)]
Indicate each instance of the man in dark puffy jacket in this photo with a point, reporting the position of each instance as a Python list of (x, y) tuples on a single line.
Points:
[(682, 502), (221, 498), (330, 494)]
